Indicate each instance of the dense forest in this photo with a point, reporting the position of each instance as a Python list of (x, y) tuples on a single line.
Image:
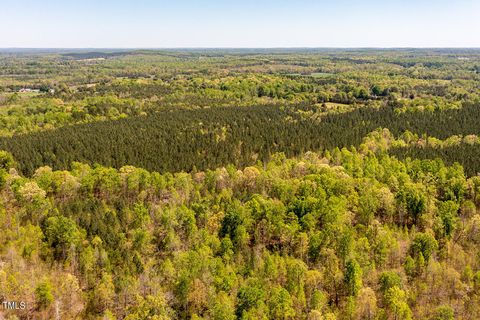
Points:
[(176, 140), (240, 184)]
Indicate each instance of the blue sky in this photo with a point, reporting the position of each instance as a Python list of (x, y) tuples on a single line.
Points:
[(247, 23)]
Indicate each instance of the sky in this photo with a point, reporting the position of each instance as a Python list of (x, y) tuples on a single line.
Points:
[(238, 24)]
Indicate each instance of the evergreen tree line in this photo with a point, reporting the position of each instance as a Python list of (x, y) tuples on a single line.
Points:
[(176, 139), (465, 154)]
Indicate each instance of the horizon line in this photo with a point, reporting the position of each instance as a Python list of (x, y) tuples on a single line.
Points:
[(233, 47)]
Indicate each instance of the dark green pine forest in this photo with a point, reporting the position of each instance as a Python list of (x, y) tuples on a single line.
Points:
[(314, 184), (184, 140)]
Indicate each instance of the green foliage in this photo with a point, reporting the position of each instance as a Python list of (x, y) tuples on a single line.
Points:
[(444, 312), (409, 267), (6, 160), (447, 218), (389, 279), (60, 234), (280, 304), (250, 296), (44, 295), (415, 202), (476, 282), (353, 277), (223, 308), (425, 245), (396, 301), (221, 245)]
